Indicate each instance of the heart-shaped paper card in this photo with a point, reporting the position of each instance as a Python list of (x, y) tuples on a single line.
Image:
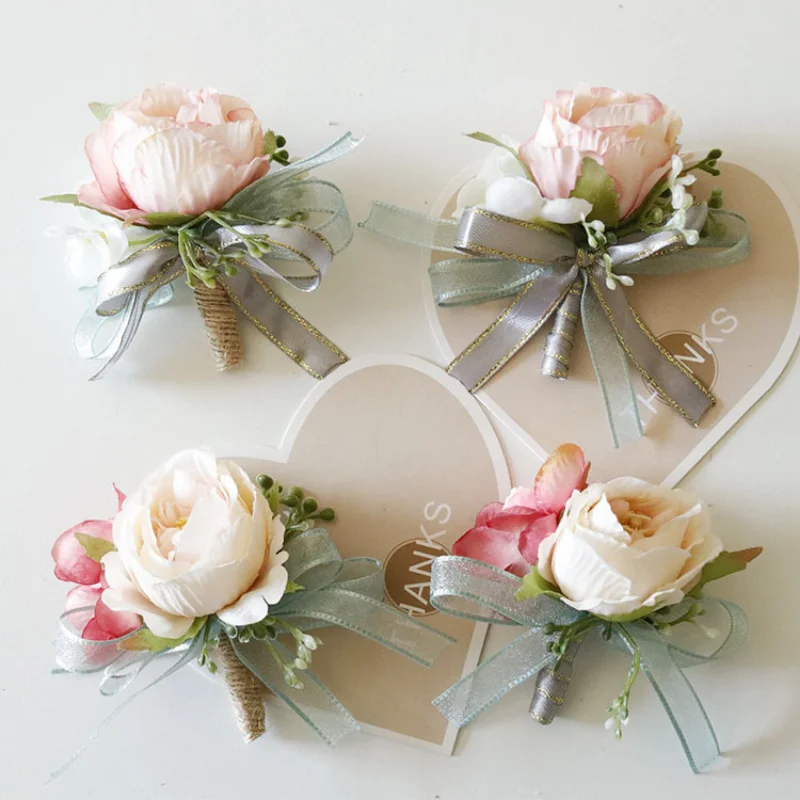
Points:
[(735, 327), (405, 457)]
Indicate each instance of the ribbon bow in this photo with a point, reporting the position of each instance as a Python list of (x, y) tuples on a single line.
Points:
[(143, 280), (344, 592), (481, 592), (547, 274)]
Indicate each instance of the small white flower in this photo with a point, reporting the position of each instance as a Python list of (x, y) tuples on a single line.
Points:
[(503, 186), (94, 244), (681, 199)]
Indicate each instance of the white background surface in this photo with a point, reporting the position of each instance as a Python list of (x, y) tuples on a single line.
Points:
[(412, 76)]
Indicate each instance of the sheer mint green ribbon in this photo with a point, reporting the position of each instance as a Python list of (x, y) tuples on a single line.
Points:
[(142, 281), (336, 591), (537, 267), (480, 592)]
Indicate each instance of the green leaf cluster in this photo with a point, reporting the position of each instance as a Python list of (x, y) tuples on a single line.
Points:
[(596, 186), (145, 639)]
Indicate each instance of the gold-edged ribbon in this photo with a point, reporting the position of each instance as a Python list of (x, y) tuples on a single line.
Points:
[(547, 274)]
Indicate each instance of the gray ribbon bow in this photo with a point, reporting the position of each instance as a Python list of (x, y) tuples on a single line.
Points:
[(547, 274), (126, 290)]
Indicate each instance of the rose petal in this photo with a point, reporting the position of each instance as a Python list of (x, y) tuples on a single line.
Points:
[(564, 472), (534, 535), (72, 563), (82, 597), (94, 632), (115, 623), (496, 547)]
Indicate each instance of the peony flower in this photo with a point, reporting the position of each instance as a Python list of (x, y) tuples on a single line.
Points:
[(632, 136), (73, 565), (508, 534), (628, 546), (94, 244), (197, 538), (173, 150)]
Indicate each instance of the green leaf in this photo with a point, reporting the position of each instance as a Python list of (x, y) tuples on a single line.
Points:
[(632, 617), (69, 199), (726, 563), (94, 546), (144, 639), (595, 185), (292, 587), (101, 110), (533, 584), (480, 136), (270, 143), (162, 219)]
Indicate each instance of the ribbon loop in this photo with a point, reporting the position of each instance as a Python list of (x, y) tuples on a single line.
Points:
[(531, 262)]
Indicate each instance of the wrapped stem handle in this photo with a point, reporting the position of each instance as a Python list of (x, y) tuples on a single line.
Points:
[(552, 684)]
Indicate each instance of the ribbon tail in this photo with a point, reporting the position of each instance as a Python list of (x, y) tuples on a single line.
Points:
[(675, 384), (512, 330), (315, 704), (374, 620), (469, 280), (411, 227), (492, 680), (282, 325), (683, 707), (189, 655), (611, 369)]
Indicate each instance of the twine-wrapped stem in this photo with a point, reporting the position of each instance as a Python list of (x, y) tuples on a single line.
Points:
[(246, 692), (219, 317), (552, 684), (558, 347)]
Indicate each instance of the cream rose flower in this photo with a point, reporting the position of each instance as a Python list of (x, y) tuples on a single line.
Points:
[(627, 546), (197, 538)]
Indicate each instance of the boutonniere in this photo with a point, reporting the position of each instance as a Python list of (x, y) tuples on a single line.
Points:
[(203, 564), (188, 185), (625, 559), (562, 224)]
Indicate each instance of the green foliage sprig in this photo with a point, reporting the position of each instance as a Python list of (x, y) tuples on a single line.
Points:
[(297, 511)]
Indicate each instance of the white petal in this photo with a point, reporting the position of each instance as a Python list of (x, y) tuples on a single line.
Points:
[(566, 211), (254, 605), (518, 198)]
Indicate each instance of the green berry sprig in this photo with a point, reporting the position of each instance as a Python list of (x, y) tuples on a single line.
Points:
[(298, 512)]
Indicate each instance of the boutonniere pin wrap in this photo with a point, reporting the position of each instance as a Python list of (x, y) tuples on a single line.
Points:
[(203, 564), (627, 559), (188, 185), (562, 225)]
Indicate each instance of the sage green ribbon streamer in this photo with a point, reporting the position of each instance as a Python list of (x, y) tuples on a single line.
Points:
[(336, 591), (537, 266), (477, 591), (127, 289)]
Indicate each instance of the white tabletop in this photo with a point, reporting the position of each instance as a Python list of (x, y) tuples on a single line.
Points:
[(412, 77)]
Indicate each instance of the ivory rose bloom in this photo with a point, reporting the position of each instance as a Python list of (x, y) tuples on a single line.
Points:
[(173, 150), (197, 538), (626, 546), (632, 136)]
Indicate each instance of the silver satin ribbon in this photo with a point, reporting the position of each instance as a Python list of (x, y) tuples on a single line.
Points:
[(538, 267), (336, 591), (143, 280), (477, 591)]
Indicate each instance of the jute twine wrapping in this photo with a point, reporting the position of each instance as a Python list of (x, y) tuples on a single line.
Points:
[(246, 692), (219, 317)]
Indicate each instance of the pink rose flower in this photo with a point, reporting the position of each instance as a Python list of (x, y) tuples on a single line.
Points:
[(632, 136), (507, 535), (173, 150), (99, 622)]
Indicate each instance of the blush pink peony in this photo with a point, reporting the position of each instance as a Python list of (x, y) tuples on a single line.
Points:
[(507, 535), (173, 150), (633, 136)]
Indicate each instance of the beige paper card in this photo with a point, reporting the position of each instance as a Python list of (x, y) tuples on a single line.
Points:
[(735, 327), (405, 457)]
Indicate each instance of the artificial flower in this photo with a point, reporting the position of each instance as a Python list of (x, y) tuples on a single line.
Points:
[(632, 136), (508, 534), (73, 565), (173, 150), (94, 244), (628, 546), (197, 538)]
